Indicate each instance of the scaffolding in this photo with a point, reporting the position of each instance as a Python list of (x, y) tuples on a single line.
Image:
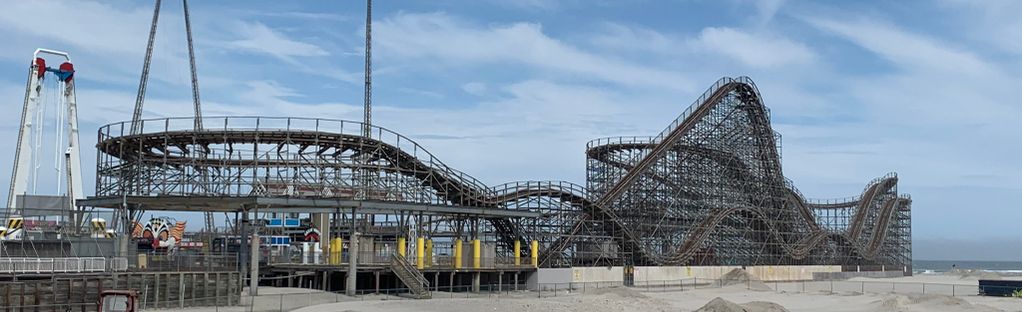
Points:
[(708, 190)]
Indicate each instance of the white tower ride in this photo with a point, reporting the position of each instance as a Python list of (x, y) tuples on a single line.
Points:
[(28, 148)]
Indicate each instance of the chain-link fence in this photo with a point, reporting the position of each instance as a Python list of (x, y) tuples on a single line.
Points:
[(287, 299)]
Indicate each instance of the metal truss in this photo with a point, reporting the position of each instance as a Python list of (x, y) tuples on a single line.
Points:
[(708, 190)]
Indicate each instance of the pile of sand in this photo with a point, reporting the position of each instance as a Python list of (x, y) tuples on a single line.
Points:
[(721, 305), (928, 302), (743, 278)]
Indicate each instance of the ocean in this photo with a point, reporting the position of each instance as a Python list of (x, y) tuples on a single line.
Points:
[(939, 266)]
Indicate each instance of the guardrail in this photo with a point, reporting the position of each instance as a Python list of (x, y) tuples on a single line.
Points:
[(62, 265)]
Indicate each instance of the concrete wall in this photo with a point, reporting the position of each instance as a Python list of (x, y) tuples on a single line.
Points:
[(764, 272), (549, 276), (673, 273), (669, 273), (597, 274), (846, 275), (771, 273)]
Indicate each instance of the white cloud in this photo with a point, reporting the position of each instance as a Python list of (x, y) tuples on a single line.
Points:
[(444, 38), (630, 38), (992, 22), (752, 49), (82, 25), (902, 48), (474, 88), (259, 38), (756, 50)]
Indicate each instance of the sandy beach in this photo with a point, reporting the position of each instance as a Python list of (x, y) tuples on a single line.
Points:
[(736, 298)]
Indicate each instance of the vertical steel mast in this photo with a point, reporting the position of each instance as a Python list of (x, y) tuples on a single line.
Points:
[(368, 114), (365, 176), (207, 215), (195, 77), (136, 117)]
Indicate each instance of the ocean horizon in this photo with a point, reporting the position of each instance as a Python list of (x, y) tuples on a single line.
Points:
[(940, 266)]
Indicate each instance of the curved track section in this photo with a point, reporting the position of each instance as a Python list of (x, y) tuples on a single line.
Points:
[(293, 161)]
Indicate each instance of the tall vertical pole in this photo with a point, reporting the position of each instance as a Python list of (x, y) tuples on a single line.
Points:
[(367, 112), (351, 284), (366, 178), (253, 282), (197, 103), (368, 97), (136, 117), (195, 77)]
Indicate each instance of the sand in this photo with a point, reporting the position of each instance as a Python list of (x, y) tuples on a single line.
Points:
[(736, 298), (723, 305), (846, 297), (740, 277)]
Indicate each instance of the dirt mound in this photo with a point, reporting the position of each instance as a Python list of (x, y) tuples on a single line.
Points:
[(743, 278), (920, 301), (763, 306), (721, 305)]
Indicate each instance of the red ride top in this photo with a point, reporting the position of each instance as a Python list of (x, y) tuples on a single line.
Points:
[(40, 65)]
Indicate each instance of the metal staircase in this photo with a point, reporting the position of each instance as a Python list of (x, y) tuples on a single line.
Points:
[(417, 284)]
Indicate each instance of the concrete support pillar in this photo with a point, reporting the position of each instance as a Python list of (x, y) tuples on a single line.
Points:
[(122, 245), (181, 290), (352, 283), (476, 277), (436, 281), (253, 287), (377, 276), (516, 281), (500, 281)]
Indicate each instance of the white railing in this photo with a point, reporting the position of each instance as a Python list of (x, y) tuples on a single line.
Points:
[(62, 265)]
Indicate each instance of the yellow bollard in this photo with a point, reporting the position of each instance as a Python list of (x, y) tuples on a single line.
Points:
[(534, 253), (475, 254), (336, 245), (401, 246), (420, 261), (457, 254), (429, 253), (518, 252)]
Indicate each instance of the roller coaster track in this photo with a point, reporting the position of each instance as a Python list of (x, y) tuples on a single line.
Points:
[(601, 153), (422, 178), (454, 187), (671, 140)]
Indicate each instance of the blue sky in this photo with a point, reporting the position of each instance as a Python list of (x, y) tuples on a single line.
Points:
[(512, 90)]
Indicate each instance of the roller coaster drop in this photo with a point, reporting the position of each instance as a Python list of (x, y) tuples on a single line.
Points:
[(708, 190)]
